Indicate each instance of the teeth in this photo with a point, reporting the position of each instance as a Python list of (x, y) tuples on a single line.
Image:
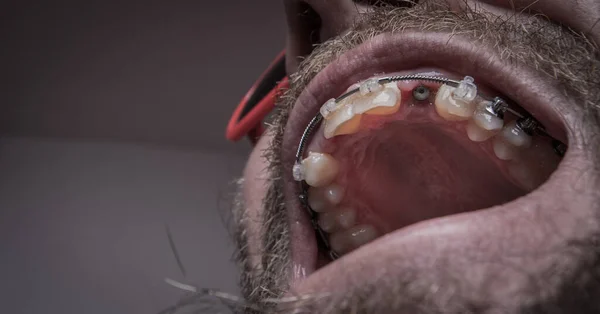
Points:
[(370, 86), (523, 175), (319, 169), (347, 240), (516, 136), (504, 150), (328, 108), (466, 90), (321, 199), (342, 121), (485, 119), (477, 134), (338, 220), (334, 193), (345, 117), (450, 107), (385, 102), (316, 200)]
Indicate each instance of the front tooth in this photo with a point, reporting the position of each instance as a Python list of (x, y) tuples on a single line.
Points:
[(370, 86), (385, 102), (340, 122), (450, 107), (477, 134), (328, 108), (347, 240), (504, 150), (319, 169), (345, 118), (516, 136)]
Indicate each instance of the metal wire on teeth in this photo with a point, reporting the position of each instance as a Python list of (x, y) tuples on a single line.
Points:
[(418, 77), (498, 108), (316, 120)]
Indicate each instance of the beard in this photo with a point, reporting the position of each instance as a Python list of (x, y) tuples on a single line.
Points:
[(563, 55)]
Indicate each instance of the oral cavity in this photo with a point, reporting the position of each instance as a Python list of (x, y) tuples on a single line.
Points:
[(398, 153)]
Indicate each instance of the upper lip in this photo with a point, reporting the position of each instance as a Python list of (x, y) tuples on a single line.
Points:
[(535, 92)]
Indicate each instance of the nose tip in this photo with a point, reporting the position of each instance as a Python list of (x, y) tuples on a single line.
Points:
[(314, 21)]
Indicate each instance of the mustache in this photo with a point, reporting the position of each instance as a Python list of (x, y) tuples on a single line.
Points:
[(562, 54)]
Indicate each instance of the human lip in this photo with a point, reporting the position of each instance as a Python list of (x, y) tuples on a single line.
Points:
[(536, 93)]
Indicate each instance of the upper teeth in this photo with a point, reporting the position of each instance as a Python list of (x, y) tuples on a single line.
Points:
[(486, 120), (342, 121), (484, 124), (466, 90), (325, 197), (516, 135), (328, 108), (344, 118), (451, 107), (370, 86), (318, 169)]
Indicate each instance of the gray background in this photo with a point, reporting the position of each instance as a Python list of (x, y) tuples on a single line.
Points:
[(111, 128)]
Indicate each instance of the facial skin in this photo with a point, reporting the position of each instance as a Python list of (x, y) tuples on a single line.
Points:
[(537, 254)]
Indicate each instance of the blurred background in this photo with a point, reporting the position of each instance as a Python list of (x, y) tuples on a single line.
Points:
[(111, 137)]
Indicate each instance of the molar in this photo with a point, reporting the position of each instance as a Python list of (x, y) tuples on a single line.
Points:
[(337, 220), (523, 175), (504, 150), (347, 240), (319, 169), (450, 107)]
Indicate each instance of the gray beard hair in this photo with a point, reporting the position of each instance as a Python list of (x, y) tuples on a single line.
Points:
[(562, 54)]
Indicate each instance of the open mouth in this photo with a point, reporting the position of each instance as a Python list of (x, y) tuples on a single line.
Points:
[(392, 153)]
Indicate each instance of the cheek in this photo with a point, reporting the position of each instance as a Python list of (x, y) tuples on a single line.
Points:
[(254, 190)]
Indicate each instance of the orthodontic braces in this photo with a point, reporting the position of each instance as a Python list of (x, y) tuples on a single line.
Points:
[(497, 107)]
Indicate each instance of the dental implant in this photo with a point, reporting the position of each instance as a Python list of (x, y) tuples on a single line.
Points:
[(421, 93)]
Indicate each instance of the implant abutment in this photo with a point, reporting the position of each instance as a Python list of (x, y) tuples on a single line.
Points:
[(421, 93)]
